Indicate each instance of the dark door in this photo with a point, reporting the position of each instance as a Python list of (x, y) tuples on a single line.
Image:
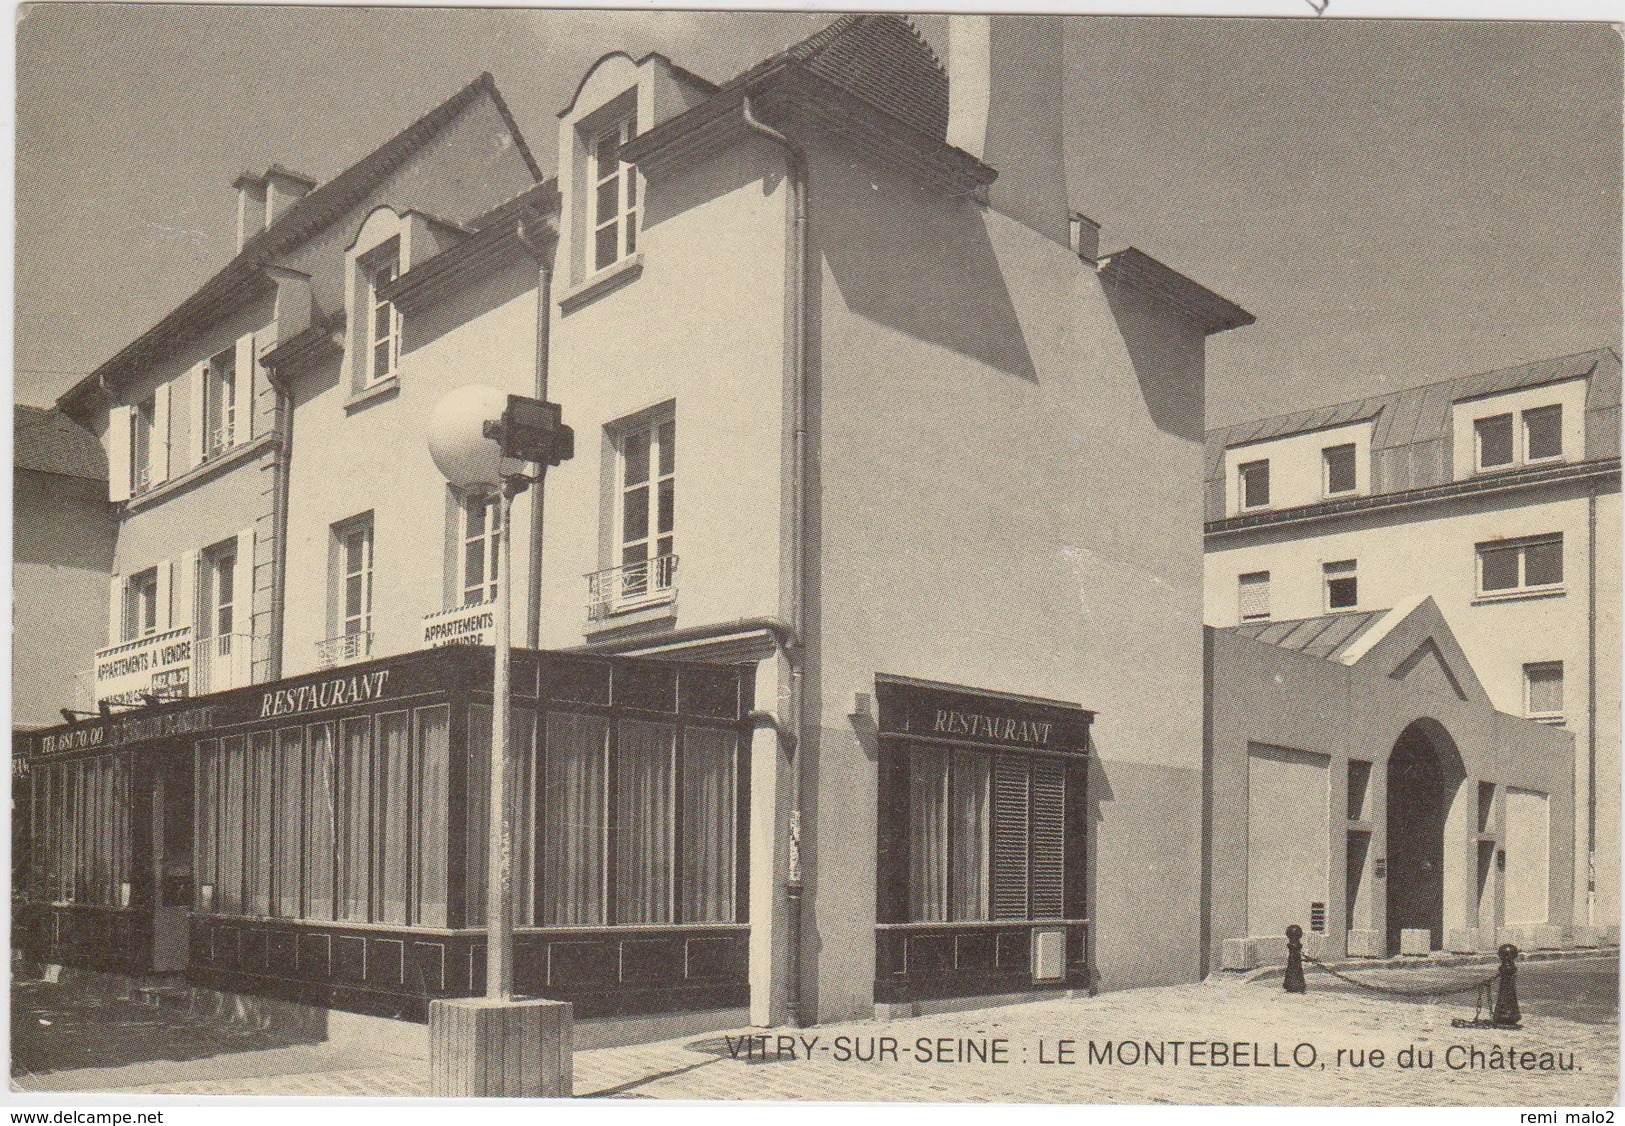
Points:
[(1415, 842)]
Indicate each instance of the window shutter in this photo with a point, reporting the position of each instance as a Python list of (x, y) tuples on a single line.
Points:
[(166, 612), (119, 422), (1010, 806), (242, 585), (1048, 840), (244, 391), (186, 591), (198, 439), (160, 434), (115, 610)]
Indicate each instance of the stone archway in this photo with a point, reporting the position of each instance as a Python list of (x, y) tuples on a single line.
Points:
[(1424, 776)]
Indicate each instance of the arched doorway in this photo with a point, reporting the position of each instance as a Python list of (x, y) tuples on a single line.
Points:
[(1424, 773)]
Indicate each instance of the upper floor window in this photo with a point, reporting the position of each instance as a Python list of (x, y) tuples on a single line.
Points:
[(219, 593), (479, 528), (1338, 463), (220, 403), (1519, 437), (1254, 480), (644, 516), (143, 420), (349, 593), (1253, 596), (1342, 585), (141, 605), (1543, 691), (1518, 566), (613, 192), (379, 267)]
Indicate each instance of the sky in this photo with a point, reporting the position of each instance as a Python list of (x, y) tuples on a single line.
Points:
[(1398, 202)]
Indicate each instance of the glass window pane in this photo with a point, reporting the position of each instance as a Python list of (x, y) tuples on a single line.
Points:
[(1494, 441), (1543, 563), (1498, 568), (608, 200), (631, 223), (356, 820), (668, 506), (606, 154), (477, 842), (228, 894), (320, 819), (635, 518), (1340, 475), (1342, 594), (1543, 432), (968, 831), (635, 453), (393, 843), (606, 249), (708, 848), (573, 820), (1255, 484), (927, 835), (260, 786), (643, 822), (668, 447), (288, 822), (431, 804)]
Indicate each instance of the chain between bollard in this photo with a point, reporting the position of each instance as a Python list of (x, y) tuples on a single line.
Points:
[(1501, 985)]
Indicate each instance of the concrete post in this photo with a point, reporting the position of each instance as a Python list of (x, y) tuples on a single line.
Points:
[(482, 1047)]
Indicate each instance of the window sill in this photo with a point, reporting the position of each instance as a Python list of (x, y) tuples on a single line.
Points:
[(1520, 595), (383, 389), (607, 280), (1548, 720), (219, 463)]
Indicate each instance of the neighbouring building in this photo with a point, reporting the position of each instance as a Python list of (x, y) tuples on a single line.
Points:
[(1497, 495), (63, 531), (1362, 786)]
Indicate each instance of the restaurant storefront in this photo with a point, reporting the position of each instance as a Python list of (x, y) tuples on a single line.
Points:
[(982, 843), (323, 839)]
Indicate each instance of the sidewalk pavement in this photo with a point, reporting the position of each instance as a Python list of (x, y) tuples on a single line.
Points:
[(1186, 1023)]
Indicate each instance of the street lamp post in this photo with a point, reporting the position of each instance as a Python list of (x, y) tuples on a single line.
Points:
[(480, 440)]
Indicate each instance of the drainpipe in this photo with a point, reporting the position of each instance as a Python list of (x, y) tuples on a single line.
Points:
[(544, 288), (1591, 705), (279, 516), (795, 375)]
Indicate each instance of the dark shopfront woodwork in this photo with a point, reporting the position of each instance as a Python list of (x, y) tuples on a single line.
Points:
[(340, 831), (982, 833)]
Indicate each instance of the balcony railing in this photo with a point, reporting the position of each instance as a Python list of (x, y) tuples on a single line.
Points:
[(221, 662), (220, 440), (140, 480), (630, 586), (344, 649)]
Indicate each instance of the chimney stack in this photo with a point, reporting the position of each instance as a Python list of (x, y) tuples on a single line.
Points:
[(282, 190), (250, 207), (1004, 107), (261, 200)]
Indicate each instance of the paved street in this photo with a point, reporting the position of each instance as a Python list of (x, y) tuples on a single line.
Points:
[(1289, 1053)]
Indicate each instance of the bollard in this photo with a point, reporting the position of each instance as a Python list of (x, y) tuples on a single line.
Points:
[(1293, 981), (1505, 1014)]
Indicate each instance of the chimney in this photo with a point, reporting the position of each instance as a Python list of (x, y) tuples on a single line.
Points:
[(250, 207), (282, 190), (1085, 237), (1004, 107)]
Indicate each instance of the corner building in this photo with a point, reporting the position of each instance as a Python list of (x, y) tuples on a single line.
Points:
[(867, 428)]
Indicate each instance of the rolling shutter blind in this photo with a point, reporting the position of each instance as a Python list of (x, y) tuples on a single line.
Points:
[(185, 613), (198, 414), (119, 421), (242, 585), (1253, 596), (160, 434), (243, 398), (1048, 840), (1010, 837)]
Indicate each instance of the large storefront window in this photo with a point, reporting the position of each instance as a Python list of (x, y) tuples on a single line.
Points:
[(81, 830), (617, 822), (309, 822)]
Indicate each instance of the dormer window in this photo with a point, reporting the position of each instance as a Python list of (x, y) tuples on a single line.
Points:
[(1254, 481), (613, 196), (1519, 437), (1543, 433), (1340, 469), (378, 268)]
